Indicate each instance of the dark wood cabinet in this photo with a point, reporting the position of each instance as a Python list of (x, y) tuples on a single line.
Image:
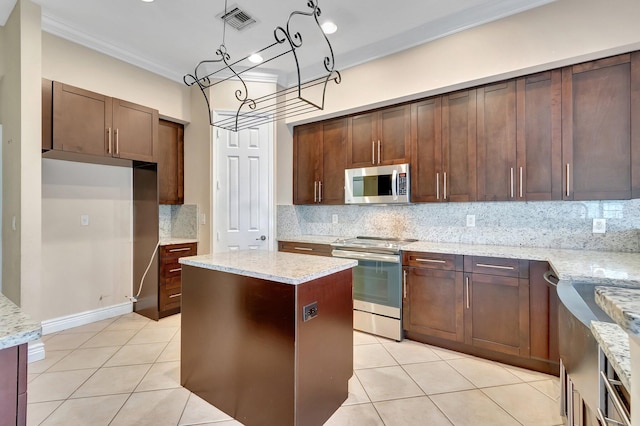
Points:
[(426, 151), (600, 129), (170, 162), (305, 248), (319, 162), (13, 385), (539, 137), (85, 122), (379, 137), (170, 283), (497, 141), (543, 313), (433, 294)]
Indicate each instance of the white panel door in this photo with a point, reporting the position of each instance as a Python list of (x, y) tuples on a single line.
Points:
[(241, 189)]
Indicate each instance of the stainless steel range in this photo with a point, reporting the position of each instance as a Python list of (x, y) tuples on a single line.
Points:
[(377, 283)]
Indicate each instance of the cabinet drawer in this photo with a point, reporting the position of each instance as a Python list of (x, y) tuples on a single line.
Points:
[(178, 250), (497, 266), (170, 296), (305, 248), (170, 268), (446, 262)]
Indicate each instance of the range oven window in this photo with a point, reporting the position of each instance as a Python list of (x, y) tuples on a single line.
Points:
[(377, 282)]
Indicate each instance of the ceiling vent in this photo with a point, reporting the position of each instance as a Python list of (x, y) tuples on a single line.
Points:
[(237, 18)]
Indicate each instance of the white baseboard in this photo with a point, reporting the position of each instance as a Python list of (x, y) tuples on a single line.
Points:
[(36, 351), (75, 320)]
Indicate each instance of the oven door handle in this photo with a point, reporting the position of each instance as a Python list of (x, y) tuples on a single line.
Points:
[(348, 254)]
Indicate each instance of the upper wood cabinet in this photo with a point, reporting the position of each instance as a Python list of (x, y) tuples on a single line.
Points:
[(539, 137), (443, 148), (319, 162), (170, 162), (497, 141), (379, 137), (601, 128), (85, 122)]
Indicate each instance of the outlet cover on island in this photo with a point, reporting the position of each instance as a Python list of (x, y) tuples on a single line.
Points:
[(334, 218), (599, 226), (471, 220)]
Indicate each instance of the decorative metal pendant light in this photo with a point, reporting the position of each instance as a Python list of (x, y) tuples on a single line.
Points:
[(300, 98)]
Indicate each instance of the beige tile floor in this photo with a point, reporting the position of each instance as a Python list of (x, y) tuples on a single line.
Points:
[(125, 371)]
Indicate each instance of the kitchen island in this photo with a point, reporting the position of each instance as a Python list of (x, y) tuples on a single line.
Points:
[(267, 337)]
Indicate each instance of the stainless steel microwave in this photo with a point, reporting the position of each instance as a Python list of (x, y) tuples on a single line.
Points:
[(377, 185)]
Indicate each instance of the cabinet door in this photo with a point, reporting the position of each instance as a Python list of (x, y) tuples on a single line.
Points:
[(135, 130), (459, 146), (497, 142), (170, 162), (307, 143), (426, 151), (433, 303), (497, 313), (334, 151), (81, 120), (362, 140), (394, 135), (596, 129), (539, 137)]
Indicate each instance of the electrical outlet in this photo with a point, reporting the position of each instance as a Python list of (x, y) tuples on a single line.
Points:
[(599, 226), (334, 218), (84, 219), (203, 219), (310, 311), (471, 220)]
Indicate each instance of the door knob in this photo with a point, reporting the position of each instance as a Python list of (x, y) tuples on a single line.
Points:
[(262, 238)]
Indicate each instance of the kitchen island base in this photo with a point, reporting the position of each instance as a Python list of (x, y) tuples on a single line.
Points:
[(247, 349)]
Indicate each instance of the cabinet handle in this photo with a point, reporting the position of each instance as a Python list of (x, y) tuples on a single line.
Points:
[(437, 186), (378, 152), (483, 265), (109, 147), (511, 182), (521, 182), (445, 185), (404, 281), (567, 179), (373, 152), (179, 249), (319, 191), (117, 142), (175, 270), (315, 191), (175, 295), (431, 261), (467, 291), (303, 248)]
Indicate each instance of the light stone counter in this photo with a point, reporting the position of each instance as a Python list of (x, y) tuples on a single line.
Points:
[(170, 241), (313, 239), (287, 268), (622, 305), (16, 327), (615, 344)]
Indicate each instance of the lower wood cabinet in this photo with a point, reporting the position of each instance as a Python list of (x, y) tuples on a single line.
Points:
[(305, 248), (170, 285), (13, 385), (481, 306)]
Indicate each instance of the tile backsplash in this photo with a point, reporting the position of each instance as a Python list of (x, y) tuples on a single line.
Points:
[(178, 221), (552, 224)]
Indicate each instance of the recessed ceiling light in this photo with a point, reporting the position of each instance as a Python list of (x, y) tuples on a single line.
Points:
[(255, 58), (329, 27), (147, 1)]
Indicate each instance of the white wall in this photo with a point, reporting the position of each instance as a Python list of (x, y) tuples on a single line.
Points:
[(85, 267), (554, 35)]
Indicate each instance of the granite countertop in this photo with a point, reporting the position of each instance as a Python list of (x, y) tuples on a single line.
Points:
[(615, 344), (313, 239), (16, 327), (287, 268), (170, 241), (622, 305)]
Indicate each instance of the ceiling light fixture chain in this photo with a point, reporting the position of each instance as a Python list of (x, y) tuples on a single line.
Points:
[(295, 100)]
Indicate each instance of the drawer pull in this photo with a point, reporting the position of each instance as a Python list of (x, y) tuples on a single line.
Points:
[(483, 265), (175, 270), (431, 261), (175, 295), (303, 248), (179, 249)]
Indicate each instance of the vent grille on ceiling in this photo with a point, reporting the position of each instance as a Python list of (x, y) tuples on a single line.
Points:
[(237, 18)]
